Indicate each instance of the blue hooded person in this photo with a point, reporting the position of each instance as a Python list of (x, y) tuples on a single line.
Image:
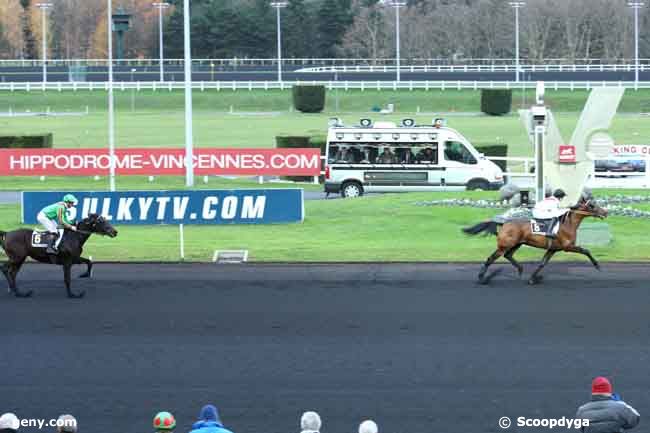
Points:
[(209, 421)]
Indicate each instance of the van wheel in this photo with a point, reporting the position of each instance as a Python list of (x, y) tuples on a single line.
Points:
[(478, 184), (351, 189)]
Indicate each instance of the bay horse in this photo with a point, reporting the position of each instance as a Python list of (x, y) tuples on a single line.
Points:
[(18, 246), (511, 235)]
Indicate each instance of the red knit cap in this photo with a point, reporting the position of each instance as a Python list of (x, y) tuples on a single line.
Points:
[(601, 385)]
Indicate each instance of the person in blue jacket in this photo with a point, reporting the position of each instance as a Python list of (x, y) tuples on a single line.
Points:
[(209, 421)]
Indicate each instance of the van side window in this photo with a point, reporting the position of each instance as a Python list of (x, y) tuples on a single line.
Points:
[(387, 156), (427, 154), (456, 151)]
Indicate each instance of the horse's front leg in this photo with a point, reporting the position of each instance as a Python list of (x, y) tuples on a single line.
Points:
[(11, 271), (493, 258), (536, 278), (89, 266), (67, 270), (584, 252)]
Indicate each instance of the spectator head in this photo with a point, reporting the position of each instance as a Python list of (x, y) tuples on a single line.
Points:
[(209, 413), (310, 422), (601, 386), (164, 421), (368, 426), (66, 424), (9, 423)]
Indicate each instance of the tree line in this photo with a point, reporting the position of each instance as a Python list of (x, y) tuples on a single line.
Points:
[(446, 29)]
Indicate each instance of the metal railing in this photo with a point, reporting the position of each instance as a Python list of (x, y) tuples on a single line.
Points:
[(479, 68), (380, 62), (342, 85)]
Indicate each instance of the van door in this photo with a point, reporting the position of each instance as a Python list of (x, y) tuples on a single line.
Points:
[(461, 164)]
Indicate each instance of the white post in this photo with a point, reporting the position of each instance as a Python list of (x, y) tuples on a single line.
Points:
[(160, 6), (540, 188), (397, 4), (516, 5), (182, 241), (539, 119), (277, 5), (636, 6), (44, 7), (189, 165), (111, 102)]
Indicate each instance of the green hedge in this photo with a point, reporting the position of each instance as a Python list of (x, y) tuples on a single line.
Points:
[(496, 102), (309, 99), (300, 141), (500, 150), (36, 141)]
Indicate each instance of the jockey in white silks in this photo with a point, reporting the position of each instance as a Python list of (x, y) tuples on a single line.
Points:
[(550, 208)]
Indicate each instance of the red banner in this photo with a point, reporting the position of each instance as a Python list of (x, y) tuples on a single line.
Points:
[(567, 154), (149, 162)]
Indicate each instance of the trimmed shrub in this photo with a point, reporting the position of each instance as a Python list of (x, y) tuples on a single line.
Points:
[(496, 102), (36, 141), (309, 99), (298, 141), (500, 150)]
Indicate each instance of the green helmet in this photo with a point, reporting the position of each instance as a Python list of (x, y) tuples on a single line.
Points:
[(69, 198), (164, 421)]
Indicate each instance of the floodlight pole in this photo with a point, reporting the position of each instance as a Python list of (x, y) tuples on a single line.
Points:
[(516, 5), (397, 4), (160, 6), (278, 5), (111, 102), (636, 6), (44, 7), (189, 152)]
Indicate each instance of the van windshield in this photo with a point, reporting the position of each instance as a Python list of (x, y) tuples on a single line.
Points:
[(382, 153), (456, 151)]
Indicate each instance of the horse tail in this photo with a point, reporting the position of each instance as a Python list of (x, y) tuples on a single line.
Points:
[(491, 227)]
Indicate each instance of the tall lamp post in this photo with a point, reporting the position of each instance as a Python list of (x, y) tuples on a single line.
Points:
[(44, 7), (160, 6), (396, 4), (516, 5), (111, 101), (189, 150), (636, 6), (279, 5)]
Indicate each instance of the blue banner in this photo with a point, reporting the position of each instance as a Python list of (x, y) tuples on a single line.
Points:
[(242, 206)]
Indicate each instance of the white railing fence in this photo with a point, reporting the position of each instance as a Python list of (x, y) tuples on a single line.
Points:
[(342, 85), (629, 67)]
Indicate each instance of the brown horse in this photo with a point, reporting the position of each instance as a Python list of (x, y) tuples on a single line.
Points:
[(513, 234)]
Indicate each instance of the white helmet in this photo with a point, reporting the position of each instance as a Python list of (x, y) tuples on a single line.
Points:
[(368, 426), (9, 421)]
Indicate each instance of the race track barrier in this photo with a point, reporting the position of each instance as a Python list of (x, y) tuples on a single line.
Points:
[(330, 84)]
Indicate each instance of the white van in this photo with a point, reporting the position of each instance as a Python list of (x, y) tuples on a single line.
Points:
[(384, 157)]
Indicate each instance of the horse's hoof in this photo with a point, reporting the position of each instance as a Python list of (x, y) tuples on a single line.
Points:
[(535, 280), (23, 294), (84, 275), (76, 295)]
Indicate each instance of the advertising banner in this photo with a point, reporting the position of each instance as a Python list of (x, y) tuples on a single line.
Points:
[(263, 206), (160, 162), (624, 160)]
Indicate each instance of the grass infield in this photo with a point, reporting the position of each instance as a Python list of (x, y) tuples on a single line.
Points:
[(387, 227), (157, 118)]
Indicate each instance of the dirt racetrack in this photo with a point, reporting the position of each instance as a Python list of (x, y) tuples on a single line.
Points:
[(419, 348)]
